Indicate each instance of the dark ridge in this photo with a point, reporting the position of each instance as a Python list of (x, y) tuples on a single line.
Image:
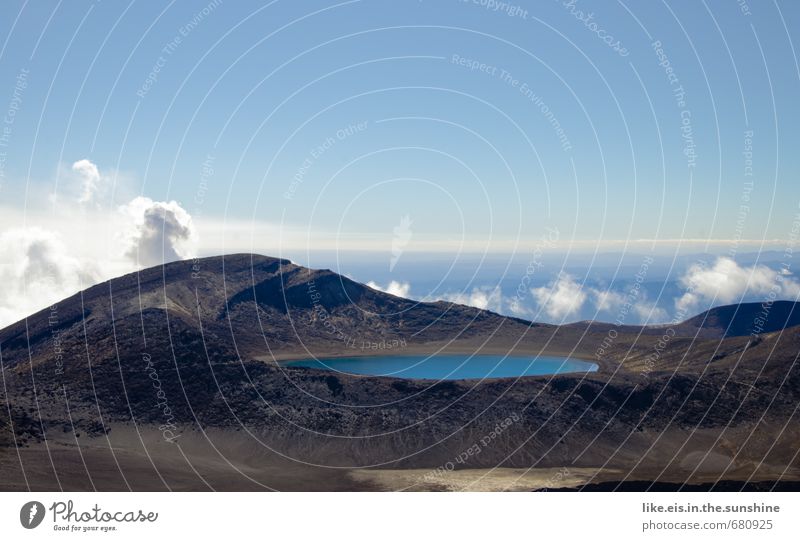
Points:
[(334, 291), (267, 293), (748, 318), (300, 289), (720, 322)]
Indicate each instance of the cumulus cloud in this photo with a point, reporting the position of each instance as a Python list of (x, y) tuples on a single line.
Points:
[(516, 308), (483, 297), (78, 243), (564, 297), (37, 270), (608, 300), (90, 179), (726, 281), (561, 298), (160, 232), (633, 302), (398, 289), (649, 313)]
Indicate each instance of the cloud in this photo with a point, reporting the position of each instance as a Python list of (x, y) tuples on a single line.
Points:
[(37, 270), (78, 243), (483, 297), (726, 281), (70, 250), (608, 300), (402, 236), (398, 289), (635, 302), (516, 308), (90, 179), (561, 298), (160, 232), (649, 313)]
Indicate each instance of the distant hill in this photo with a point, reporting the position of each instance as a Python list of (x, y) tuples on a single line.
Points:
[(746, 318), (721, 322)]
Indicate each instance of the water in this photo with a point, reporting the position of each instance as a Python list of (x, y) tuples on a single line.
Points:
[(448, 366)]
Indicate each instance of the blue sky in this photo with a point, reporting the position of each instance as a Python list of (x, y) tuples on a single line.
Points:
[(258, 88), (306, 126)]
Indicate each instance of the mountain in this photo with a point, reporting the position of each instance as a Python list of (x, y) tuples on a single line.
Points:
[(243, 306), (172, 378)]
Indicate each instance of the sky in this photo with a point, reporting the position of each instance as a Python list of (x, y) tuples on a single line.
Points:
[(137, 132)]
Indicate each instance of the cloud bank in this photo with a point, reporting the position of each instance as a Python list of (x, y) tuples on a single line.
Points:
[(37, 270)]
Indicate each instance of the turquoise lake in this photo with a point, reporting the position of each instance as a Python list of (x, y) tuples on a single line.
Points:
[(448, 366)]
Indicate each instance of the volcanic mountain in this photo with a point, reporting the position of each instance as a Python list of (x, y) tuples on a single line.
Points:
[(172, 377), (240, 306)]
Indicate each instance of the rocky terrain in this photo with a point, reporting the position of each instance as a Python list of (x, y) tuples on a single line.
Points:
[(171, 378)]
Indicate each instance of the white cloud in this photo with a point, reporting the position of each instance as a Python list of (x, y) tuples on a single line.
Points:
[(37, 269), (90, 179), (561, 298), (401, 237), (608, 300), (649, 313), (160, 232), (516, 308), (726, 281), (485, 298), (78, 243), (621, 304), (398, 289)]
